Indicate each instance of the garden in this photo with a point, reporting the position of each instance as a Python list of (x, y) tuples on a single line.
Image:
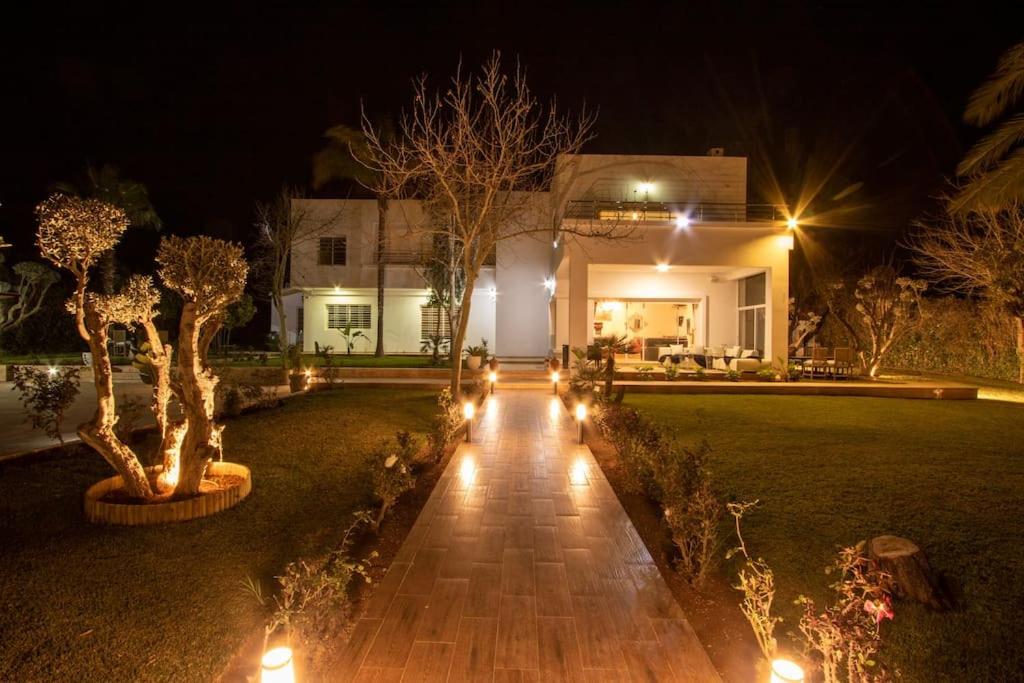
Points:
[(170, 602), (828, 473)]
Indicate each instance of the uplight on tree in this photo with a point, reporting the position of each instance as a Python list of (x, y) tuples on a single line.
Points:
[(277, 667), (786, 671)]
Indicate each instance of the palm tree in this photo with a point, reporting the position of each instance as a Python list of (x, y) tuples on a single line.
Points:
[(339, 160), (993, 169), (106, 184)]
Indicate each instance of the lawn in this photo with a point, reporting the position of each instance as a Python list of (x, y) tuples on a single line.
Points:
[(832, 471), (82, 602), (356, 360)]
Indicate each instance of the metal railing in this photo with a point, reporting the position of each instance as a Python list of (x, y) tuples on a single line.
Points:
[(707, 212), (417, 257)]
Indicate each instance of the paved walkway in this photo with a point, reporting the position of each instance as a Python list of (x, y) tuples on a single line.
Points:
[(523, 566)]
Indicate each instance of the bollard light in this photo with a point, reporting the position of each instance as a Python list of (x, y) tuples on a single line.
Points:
[(276, 666), (468, 410), (493, 378), (581, 416), (554, 381), (786, 671)]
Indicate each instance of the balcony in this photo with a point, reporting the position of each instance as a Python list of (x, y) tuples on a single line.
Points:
[(605, 210), (416, 257)]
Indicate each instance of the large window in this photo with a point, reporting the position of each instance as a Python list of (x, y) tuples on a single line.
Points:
[(752, 307), (434, 320), (333, 251), (340, 316)]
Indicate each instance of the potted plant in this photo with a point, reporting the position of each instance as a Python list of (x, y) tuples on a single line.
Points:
[(476, 355)]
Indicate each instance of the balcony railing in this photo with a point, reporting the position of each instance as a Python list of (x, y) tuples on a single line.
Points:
[(586, 209)]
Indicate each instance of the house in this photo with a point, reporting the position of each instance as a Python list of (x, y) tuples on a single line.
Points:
[(703, 267)]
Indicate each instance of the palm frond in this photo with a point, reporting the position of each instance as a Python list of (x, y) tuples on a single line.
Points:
[(995, 189), (988, 151), (1000, 91), (338, 158)]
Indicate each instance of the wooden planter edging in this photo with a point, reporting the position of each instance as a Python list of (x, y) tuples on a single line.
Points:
[(206, 504)]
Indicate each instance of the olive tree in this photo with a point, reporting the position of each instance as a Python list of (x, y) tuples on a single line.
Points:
[(34, 281)]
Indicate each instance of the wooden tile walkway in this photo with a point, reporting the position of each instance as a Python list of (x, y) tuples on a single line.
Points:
[(523, 566)]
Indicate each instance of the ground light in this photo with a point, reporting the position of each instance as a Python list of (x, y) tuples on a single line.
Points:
[(786, 671), (53, 371), (494, 379), (276, 666), (309, 377), (554, 382), (468, 409), (581, 416)]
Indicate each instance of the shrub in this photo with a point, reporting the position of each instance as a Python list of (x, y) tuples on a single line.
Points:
[(692, 510), (46, 395), (732, 375), (849, 631), (644, 372), (700, 374), (445, 425), (794, 373), (391, 466), (585, 375), (671, 373), (312, 603), (757, 583), (766, 375)]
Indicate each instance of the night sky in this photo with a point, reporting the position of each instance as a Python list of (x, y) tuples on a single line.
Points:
[(213, 107)]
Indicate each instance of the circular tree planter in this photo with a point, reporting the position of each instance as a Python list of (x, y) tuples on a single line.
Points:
[(211, 499)]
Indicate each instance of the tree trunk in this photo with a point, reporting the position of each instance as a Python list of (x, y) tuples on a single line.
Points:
[(201, 442), (912, 575), (382, 210), (99, 432), (1020, 350), (460, 335), (282, 324)]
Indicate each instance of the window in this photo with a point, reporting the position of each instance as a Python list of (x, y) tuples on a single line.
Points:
[(434, 320), (332, 251), (752, 307), (340, 316)]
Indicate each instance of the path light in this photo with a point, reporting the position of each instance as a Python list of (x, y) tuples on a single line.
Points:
[(554, 382), (468, 409), (786, 671), (494, 379), (581, 416), (276, 666), (52, 371), (578, 472)]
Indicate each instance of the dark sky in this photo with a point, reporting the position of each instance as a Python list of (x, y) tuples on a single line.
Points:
[(215, 106)]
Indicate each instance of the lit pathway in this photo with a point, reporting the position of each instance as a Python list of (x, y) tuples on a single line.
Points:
[(523, 566)]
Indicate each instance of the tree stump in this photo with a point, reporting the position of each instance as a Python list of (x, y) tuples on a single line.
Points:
[(911, 573)]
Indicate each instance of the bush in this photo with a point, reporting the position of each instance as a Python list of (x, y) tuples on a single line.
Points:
[(766, 375), (391, 466), (732, 375), (585, 375), (445, 425), (671, 373), (312, 603), (46, 395), (644, 372), (700, 374)]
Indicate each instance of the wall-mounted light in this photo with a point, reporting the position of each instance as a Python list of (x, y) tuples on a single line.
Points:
[(791, 223), (662, 267), (645, 188), (493, 291), (276, 666), (337, 289), (682, 221)]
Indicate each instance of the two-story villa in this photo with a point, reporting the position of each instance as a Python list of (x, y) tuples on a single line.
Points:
[(703, 268)]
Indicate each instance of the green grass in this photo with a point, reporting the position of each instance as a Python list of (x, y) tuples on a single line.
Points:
[(831, 471), (49, 358), (83, 602)]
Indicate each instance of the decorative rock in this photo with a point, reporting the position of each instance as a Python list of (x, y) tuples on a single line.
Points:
[(911, 573)]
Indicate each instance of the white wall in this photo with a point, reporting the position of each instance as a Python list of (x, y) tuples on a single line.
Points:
[(292, 302), (523, 327)]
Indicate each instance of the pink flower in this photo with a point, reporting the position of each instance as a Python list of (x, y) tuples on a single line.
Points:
[(880, 609)]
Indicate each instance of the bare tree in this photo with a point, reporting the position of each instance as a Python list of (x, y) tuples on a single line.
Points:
[(978, 254), (283, 223), (480, 152)]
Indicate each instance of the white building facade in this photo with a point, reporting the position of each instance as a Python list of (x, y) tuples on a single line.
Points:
[(702, 270)]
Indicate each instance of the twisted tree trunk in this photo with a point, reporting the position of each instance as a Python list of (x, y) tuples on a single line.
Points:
[(202, 438), (99, 431)]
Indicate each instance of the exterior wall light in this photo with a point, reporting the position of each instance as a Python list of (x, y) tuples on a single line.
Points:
[(493, 291), (550, 284), (554, 382), (661, 267), (682, 221), (276, 666), (581, 416), (791, 223), (468, 410), (786, 671), (645, 188)]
